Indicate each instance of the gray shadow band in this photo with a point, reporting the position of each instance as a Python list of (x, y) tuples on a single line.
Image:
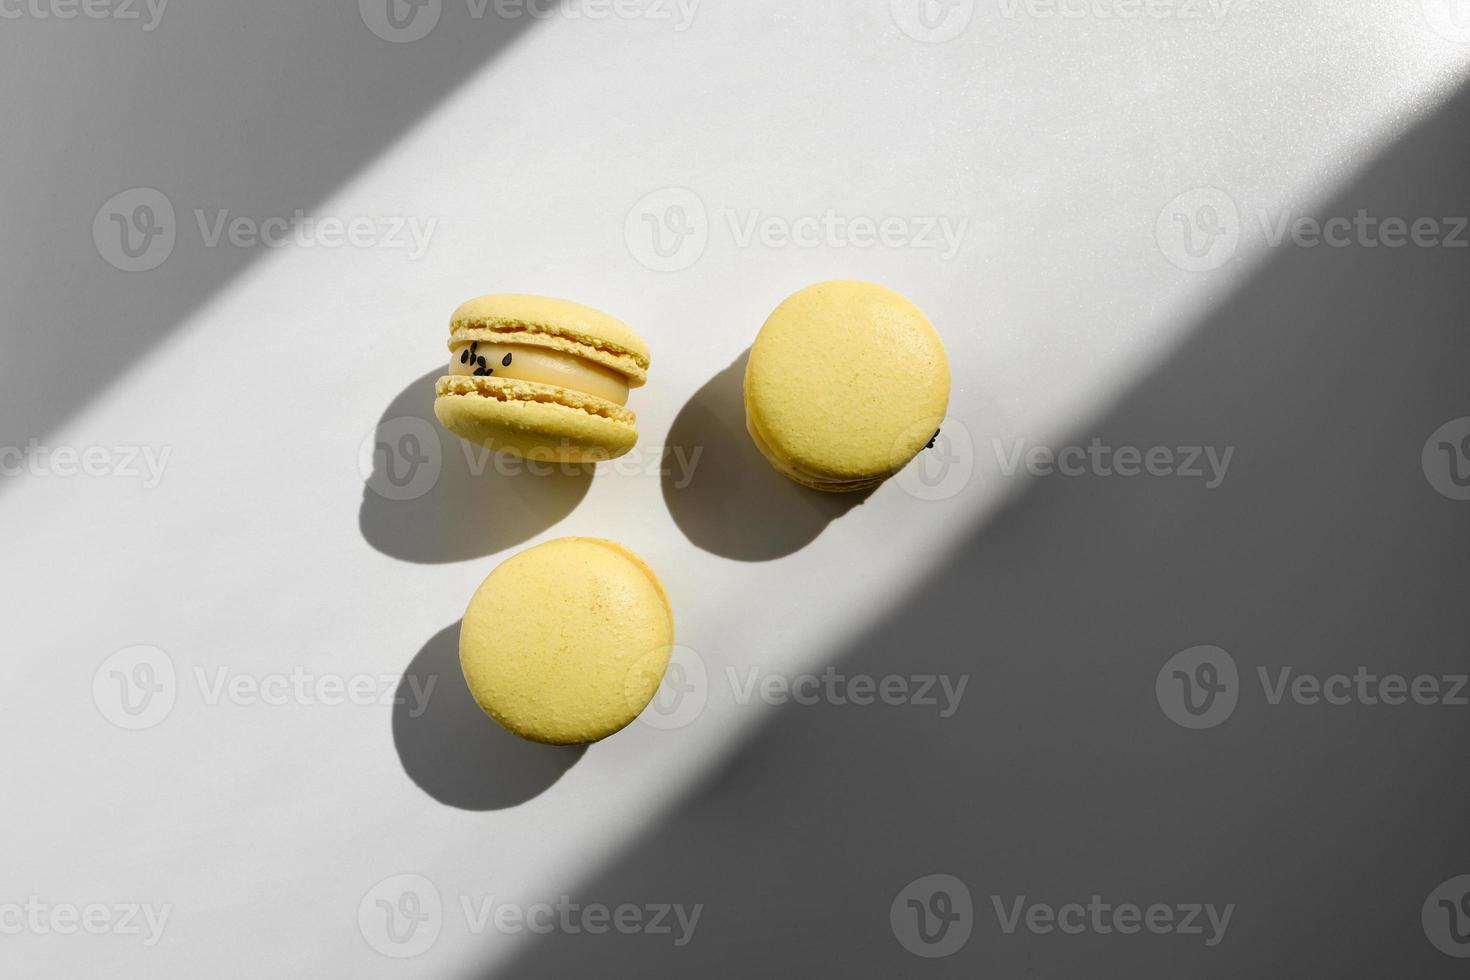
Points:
[(247, 114)]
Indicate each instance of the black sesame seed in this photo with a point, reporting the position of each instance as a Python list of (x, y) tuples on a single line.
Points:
[(505, 361), (464, 356), (481, 361)]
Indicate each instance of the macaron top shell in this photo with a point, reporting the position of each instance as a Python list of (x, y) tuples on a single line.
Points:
[(846, 383), (558, 324), (567, 642)]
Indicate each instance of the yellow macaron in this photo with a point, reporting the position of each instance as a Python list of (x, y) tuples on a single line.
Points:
[(567, 642), (542, 378), (846, 383)]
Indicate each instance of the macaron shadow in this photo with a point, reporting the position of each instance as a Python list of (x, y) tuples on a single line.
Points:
[(454, 751), (724, 495), (433, 498)]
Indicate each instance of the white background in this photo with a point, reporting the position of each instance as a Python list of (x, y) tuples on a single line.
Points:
[(1054, 143)]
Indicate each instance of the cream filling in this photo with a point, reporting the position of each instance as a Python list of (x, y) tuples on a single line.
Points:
[(541, 365)]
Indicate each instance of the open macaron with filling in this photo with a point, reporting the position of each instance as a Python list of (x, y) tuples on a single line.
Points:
[(541, 378)]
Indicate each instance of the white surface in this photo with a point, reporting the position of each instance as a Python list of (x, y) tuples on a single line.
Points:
[(263, 827)]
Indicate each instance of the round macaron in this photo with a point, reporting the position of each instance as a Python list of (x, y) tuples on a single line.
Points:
[(846, 383), (542, 378), (567, 642)]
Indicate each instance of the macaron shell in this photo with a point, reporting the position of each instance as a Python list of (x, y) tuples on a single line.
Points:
[(846, 383), (557, 323), (567, 642), (791, 473), (533, 420)]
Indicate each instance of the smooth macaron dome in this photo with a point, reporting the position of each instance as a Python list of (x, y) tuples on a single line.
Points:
[(567, 642), (542, 378), (847, 382)]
